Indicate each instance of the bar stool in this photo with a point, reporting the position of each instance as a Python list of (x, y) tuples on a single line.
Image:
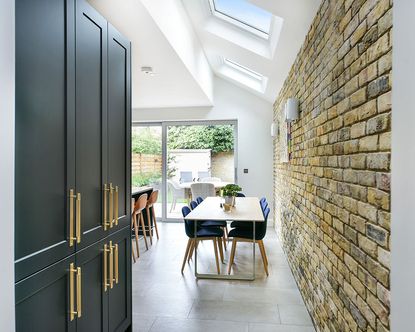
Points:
[(150, 206), (138, 209)]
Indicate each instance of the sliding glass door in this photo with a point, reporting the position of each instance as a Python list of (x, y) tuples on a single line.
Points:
[(179, 154)]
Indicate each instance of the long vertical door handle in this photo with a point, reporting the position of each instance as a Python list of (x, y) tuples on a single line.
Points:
[(106, 252), (116, 263), (111, 277), (78, 218), (72, 237), (72, 311), (79, 292), (107, 223), (116, 206), (111, 206)]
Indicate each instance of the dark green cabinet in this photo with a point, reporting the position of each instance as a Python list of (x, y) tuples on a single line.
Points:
[(94, 284), (45, 132), (91, 119), (73, 120)]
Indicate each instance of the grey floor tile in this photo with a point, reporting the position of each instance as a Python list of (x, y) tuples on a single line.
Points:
[(159, 306), (259, 327), (294, 314), (195, 325), (235, 311), (142, 323)]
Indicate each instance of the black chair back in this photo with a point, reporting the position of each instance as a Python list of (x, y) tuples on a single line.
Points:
[(189, 225), (193, 205), (240, 195), (199, 200), (262, 226)]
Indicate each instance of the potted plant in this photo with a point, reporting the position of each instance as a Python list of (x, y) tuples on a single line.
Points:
[(229, 192)]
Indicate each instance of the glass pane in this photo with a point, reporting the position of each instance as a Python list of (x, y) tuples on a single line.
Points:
[(197, 153), (146, 161), (246, 13)]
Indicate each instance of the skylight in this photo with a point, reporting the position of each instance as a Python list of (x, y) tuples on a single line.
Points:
[(244, 15), (243, 69), (243, 75)]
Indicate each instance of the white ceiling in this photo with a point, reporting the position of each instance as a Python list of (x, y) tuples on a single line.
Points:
[(273, 58), (160, 33), (173, 85)]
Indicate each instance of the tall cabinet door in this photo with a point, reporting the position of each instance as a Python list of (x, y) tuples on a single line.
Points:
[(45, 115), (94, 296), (119, 127), (91, 119), (119, 303)]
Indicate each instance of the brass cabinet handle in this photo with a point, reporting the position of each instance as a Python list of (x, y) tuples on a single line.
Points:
[(72, 311), (78, 218), (116, 263), (111, 206), (106, 251), (79, 292), (111, 277), (72, 237), (106, 223), (116, 206)]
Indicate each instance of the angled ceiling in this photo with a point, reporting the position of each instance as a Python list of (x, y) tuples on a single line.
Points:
[(186, 45), (175, 84), (272, 58)]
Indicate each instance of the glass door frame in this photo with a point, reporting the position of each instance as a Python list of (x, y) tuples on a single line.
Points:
[(164, 127)]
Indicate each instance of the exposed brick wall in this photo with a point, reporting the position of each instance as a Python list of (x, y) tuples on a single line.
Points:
[(333, 197)]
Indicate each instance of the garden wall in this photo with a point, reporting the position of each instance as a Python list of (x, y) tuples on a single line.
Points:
[(146, 163)]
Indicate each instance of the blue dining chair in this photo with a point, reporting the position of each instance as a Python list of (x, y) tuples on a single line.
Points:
[(264, 204), (242, 234), (210, 233), (240, 195), (212, 223), (199, 200)]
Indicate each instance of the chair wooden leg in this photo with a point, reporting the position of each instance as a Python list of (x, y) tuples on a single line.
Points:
[(264, 258), (132, 246), (189, 243), (192, 247), (220, 249), (144, 229), (155, 222), (265, 253), (232, 255), (215, 247), (136, 236), (150, 233), (224, 239)]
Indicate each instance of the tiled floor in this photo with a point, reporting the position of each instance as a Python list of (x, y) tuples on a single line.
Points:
[(166, 300)]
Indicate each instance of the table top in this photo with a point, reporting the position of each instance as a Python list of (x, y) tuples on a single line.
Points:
[(245, 209), (221, 184), (139, 190)]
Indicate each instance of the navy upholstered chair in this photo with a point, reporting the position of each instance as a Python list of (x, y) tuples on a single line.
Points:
[(199, 200), (202, 233), (264, 204), (240, 195), (244, 234), (212, 223)]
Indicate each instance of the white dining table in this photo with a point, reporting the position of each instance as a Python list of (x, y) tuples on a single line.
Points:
[(245, 209)]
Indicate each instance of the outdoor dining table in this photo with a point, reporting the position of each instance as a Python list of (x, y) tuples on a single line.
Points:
[(187, 185), (245, 209)]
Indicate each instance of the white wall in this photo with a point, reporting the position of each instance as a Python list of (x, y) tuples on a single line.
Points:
[(403, 168), (254, 117), (7, 165), (173, 21)]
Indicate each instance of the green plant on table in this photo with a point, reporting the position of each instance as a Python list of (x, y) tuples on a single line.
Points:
[(231, 190)]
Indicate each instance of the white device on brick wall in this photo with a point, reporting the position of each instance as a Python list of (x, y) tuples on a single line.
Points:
[(292, 112)]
